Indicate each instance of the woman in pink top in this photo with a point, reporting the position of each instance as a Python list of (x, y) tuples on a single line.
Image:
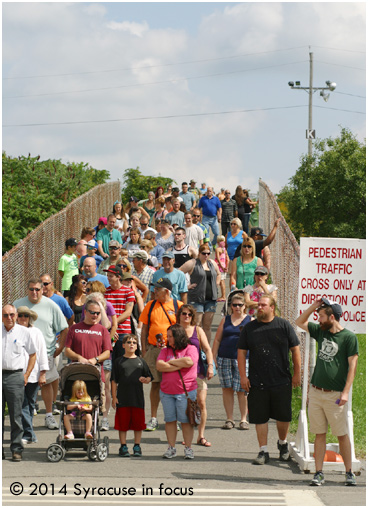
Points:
[(181, 356)]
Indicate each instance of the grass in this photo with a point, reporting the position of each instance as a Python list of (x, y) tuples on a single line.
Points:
[(359, 405)]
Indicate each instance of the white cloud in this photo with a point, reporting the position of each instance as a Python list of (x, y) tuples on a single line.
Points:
[(137, 29)]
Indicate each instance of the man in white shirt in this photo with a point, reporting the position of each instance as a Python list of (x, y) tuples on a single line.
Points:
[(193, 234), (15, 340)]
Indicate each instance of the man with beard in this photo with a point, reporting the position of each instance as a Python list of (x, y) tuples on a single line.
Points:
[(331, 381), (269, 340)]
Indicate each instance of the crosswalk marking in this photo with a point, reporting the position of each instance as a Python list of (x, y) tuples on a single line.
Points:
[(206, 497)]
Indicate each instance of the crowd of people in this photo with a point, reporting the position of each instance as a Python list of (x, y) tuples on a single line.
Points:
[(138, 295)]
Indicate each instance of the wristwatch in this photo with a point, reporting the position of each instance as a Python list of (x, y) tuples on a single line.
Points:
[(97, 360)]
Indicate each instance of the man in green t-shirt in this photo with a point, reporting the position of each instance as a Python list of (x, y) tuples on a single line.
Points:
[(331, 381)]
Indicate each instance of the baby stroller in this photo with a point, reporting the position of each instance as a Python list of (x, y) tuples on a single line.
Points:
[(95, 448)]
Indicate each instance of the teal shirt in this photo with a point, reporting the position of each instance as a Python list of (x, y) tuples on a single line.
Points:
[(245, 272), (105, 235), (332, 364)]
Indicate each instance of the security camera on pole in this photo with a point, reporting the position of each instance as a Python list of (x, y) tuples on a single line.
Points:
[(310, 133)]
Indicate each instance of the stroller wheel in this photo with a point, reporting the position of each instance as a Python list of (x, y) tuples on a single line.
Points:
[(55, 453), (91, 452), (102, 452)]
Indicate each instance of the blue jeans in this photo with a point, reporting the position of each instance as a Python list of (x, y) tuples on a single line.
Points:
[(212, 222), (29, 402), (245, 221)]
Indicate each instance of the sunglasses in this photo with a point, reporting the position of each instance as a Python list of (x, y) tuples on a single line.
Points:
[(94, 313), (46, 283), (259, 273), (206, 253), (84, 282), (195, 215), (21, 315), (130, 342), (88, 290), (114, 248), (187, 314), (34, 289), (9, 315), (247, 247), (237, 304)]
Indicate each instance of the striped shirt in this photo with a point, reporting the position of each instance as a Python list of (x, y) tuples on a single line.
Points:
[(118, 299)]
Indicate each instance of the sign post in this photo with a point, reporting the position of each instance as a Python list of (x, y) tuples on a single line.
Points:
[(333, 268)]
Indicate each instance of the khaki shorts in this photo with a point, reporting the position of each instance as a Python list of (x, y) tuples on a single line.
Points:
[(151, 359), (51, 374), (323, 410)]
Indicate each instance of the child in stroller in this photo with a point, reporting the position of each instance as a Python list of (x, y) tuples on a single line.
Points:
[(79, 394)]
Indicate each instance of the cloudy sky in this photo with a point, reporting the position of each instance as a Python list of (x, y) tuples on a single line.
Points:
[(185, 90)]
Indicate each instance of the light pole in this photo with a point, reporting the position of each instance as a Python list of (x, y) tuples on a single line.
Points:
[(311, 134)]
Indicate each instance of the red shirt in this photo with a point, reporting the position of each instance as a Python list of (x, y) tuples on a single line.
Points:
[(88, 341), (119, 298)]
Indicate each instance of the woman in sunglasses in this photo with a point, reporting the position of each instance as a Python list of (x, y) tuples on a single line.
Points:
[(243, 268), (253, 293), (77, 296), (205, 278), (186, 317), (225, 354)]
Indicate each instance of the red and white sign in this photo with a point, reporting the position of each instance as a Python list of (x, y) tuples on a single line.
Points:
[(334, 268)]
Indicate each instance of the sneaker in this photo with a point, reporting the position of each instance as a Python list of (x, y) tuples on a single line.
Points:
[(50, 422), (170, 453), (137, 451), (350, 479), (262, 458), (16, 457), (284, 452), (178, 426), (123, 451), (188, 453), (105, 424), (55, 410), (69, 435), (152, 424), (34, 412), (318, 479), (29, 441)]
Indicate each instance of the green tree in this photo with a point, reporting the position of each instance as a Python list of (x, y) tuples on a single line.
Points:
[(33, 190), (327, 195), (138, 185)]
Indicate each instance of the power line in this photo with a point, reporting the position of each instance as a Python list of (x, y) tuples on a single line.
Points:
[(176, 116), (339, 109), (339, 65), (153, 82), (340, 49), (351, 94), (154, 66)]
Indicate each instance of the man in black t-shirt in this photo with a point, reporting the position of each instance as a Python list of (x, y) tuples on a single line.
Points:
[(269, 340)]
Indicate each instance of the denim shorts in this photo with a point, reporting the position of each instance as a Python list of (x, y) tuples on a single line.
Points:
[(207, 306), (107, 365), (175, 406)]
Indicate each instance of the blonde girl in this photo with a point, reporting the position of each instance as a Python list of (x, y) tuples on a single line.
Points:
[(222, 261), (79, 394)]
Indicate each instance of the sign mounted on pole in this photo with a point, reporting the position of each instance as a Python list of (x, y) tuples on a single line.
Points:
[(334, 268), (310, 134)]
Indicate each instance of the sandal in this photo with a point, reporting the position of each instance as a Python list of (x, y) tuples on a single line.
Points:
[(88, 435), (244, 425), (203, 442), (229, 424)]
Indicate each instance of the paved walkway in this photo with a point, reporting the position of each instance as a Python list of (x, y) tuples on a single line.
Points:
[(221, 475)]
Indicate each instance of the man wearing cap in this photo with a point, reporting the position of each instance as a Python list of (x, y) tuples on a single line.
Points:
[(121, 298), (193, 189), (175, 195), (102, 221), (156, 317), (114, 257), (176, 216), (212, 212), (187, 197), (51, 322), (177, 278), (68, 265), (332, 379), (141, 269), (89, 270), (92, 253), (253, 293), (229, 212), (104, 236), (15, 340), (269, 339), (262, 241)]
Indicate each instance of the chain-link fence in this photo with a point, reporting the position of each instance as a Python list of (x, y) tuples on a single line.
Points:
[(42, 249), (285, 254)]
